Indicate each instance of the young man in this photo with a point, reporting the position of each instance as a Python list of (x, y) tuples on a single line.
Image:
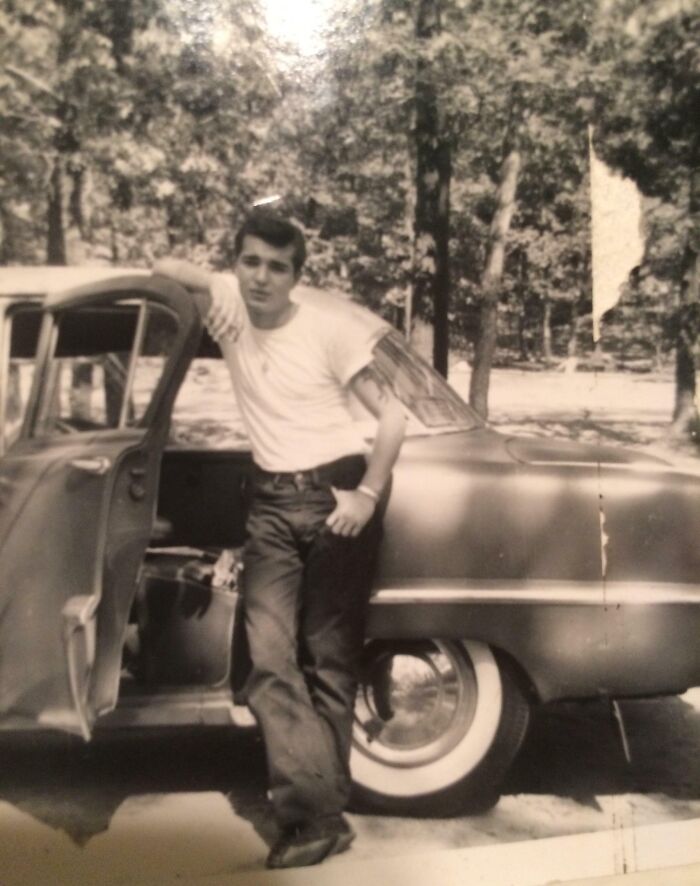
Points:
[(314, 524)]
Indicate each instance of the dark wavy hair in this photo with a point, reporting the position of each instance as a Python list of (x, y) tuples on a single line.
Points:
[(274, 230)]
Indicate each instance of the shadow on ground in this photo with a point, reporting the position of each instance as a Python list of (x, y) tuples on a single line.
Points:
[(571, 751), (575, 750), (77, 787)]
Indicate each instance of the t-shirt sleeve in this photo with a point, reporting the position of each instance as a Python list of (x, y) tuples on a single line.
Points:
[(352, 344), (224, 289)]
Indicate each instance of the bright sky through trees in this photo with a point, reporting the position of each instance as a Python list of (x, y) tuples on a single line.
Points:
[(299, 22)]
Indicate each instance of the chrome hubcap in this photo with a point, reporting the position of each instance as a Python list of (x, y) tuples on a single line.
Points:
[(415, 703)]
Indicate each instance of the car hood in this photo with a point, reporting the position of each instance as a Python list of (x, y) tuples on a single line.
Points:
[(543, 451), (488, 445)]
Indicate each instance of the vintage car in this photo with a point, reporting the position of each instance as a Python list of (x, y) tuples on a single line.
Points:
[(514, 571)]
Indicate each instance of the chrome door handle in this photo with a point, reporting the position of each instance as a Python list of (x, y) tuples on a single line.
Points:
[(98, 465)]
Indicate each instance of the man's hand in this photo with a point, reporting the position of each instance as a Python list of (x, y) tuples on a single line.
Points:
[(352, 511)]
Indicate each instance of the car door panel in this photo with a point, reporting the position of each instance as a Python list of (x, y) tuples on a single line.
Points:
[(81, 503), (43, 566)]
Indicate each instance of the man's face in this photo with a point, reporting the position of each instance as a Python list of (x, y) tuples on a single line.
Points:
[(266, 276)]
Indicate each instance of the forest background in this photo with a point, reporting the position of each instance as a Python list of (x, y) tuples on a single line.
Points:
[(435, 152)]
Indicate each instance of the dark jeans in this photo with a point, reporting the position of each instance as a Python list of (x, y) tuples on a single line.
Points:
[(306, 592)]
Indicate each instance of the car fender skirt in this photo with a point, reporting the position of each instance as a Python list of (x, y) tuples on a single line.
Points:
[(571, 639)]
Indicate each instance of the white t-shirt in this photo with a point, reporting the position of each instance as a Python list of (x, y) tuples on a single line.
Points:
[(292, 382)]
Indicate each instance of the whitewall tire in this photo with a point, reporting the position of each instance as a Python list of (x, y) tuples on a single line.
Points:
[(437, 722)]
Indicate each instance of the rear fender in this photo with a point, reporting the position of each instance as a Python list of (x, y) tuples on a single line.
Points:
[(571, 640)]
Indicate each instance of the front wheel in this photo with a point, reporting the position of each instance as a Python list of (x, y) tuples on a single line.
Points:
[(437, 724)]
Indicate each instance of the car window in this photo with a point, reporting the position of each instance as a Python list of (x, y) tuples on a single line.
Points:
[(24, 322), (105, 367)]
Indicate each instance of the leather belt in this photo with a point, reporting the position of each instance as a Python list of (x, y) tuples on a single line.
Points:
[(325, 473)]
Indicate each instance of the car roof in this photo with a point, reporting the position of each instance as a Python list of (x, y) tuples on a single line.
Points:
[(38, 282), (31, 282), (52, 283)]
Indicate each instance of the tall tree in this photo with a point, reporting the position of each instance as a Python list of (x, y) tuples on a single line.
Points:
[(440, 110), (433, 150), (492, 276)]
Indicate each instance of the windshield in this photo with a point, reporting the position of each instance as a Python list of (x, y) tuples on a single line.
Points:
[(432, 405)]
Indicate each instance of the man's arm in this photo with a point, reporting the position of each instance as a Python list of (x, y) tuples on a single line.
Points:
[(355, 507), (218, 310), (184, 272)]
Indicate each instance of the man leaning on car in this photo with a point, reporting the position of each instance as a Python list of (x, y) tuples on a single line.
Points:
[(314, 523)]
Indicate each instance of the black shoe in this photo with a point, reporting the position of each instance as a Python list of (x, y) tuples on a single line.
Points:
[(311, 843)]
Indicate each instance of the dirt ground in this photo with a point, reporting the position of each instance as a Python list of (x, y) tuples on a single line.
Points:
[(179, 806)]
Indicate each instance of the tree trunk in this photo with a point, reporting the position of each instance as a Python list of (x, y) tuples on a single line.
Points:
[(547, 330), (572, 347), (572, 344), (685, 413), (523, 354), (9, 237), (491, 279), (685, 409), (75, 203), (78, 233), (422, 338), (56, 238), (432, 211), (65, 213)]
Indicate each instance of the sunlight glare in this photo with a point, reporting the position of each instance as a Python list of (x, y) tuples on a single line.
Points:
[(299, 23), (222, 37)]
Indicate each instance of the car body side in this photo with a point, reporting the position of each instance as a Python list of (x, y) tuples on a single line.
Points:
[(586, 576)]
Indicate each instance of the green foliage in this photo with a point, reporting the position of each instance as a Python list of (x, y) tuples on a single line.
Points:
[(648, 96), (163, 104), (487, 63), (647, 99)]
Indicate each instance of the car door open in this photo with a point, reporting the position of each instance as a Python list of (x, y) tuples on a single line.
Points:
[(78, 494)]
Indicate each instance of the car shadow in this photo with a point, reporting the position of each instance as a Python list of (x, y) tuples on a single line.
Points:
[(575, 750), (77, 787)]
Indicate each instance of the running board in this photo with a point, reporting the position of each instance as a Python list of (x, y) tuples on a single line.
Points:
[(178, 708)]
